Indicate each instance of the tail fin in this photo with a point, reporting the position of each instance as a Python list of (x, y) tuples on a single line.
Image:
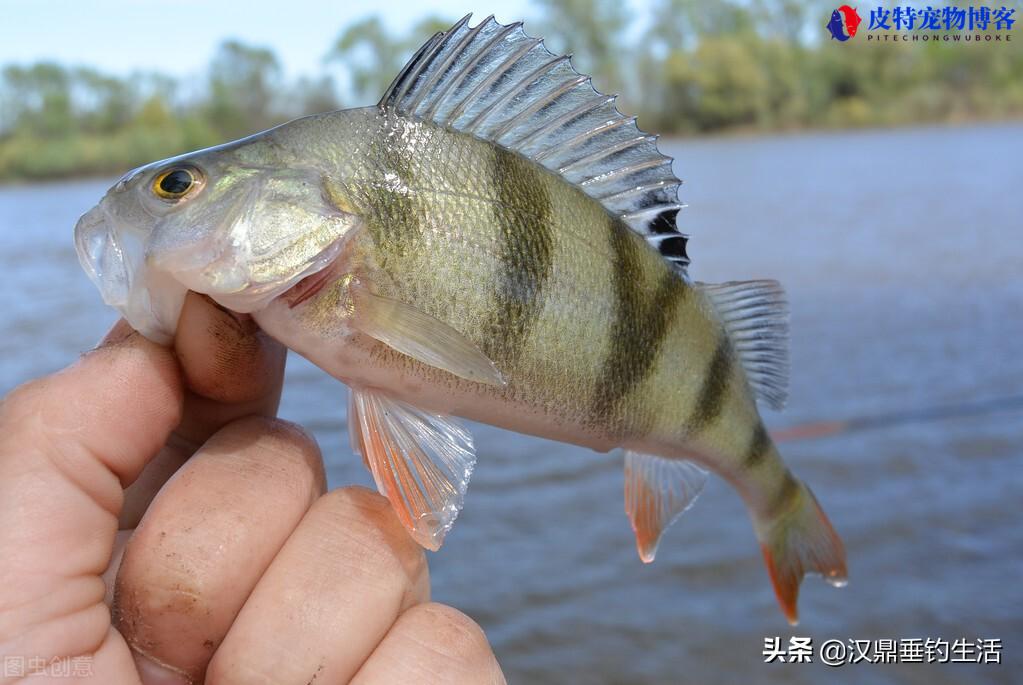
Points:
[(797, 542)]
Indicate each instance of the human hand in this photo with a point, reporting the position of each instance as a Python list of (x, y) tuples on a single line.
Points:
[(166, 470)]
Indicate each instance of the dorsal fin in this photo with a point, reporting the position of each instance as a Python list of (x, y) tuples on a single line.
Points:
[(498, 84), (756, 316)]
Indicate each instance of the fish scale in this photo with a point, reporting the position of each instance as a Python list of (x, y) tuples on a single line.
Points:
[(494, 241), (433, 259)]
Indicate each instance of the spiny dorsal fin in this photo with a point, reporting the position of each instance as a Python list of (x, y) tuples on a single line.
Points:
[(498, 84), (756, 315)]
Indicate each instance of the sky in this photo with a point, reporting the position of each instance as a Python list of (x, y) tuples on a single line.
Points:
[(180, 36)]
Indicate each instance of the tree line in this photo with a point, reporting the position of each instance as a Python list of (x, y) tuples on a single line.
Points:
[(692, 67)]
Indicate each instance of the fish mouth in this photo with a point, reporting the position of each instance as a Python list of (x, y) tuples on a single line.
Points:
[(103, 255)]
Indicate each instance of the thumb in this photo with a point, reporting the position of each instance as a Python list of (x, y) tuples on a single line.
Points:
[(69, 444)]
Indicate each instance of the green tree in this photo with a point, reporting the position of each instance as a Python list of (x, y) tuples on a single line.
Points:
[(310, 96), (243, 82), (594, 32), (696, 66), (106, 103), (372, 56), (720, 84), (38, 99), (681, 24)]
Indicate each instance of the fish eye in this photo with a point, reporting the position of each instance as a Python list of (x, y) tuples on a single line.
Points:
[(177, 182)]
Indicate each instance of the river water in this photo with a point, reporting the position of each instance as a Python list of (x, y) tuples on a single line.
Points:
[(903, 258)]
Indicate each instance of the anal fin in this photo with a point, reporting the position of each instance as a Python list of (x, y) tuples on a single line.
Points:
[(657, 491), (421, 462), (355, 429)]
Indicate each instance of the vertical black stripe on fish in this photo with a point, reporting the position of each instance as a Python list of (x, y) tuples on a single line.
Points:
[(781, 500), (525, 254), (394, 215), (711, 398), (641, 323), (759, 446)]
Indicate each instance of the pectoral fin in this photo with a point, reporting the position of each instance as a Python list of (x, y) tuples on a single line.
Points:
[(421, 462), (657, 491), (421, 336)]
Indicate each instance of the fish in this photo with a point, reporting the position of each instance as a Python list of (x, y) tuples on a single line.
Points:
[(493, 241), (837, 28), (852, 19)]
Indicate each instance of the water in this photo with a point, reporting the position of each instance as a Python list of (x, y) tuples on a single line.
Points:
[(902, 255)]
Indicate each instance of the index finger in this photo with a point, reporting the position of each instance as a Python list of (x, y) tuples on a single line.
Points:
[(231, 369)]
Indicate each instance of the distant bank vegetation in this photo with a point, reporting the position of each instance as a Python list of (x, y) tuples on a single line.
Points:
[(692, 67)]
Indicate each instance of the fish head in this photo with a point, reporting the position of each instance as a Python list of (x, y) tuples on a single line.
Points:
[(242, 223)]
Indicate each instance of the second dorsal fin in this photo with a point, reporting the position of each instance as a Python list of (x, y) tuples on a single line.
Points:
[(756, 316), (498, 84)]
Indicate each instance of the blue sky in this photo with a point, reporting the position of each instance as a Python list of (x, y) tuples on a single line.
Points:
[(179, 37)]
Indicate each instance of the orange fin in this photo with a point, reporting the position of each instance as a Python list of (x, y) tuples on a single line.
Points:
[(657, 491), (355, 430), (421, 462), (799, 542)]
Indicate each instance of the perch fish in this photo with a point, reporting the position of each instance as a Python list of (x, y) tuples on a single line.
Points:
[(494, 240)]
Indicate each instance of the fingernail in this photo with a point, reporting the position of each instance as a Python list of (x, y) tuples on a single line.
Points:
[(153, 673)]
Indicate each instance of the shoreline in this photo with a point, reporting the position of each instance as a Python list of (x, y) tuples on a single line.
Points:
[(735, 133), (876, 127)]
